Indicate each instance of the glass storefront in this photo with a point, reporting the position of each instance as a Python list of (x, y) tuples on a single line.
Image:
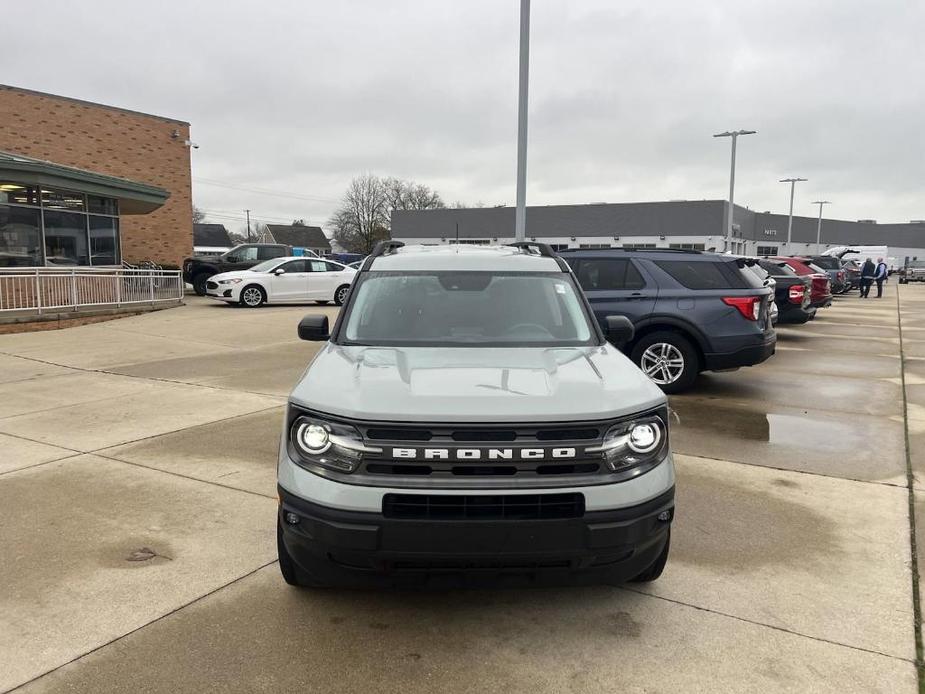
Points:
[(54, 227)]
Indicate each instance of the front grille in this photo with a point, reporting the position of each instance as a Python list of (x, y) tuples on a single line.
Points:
[(211, 285), (483, 507)]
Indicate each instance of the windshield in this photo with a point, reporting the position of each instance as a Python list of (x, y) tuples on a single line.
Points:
[(467, 309), (265, 266)]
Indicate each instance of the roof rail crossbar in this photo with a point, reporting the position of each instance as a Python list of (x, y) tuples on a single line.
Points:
[(543, 249), (381, 248)]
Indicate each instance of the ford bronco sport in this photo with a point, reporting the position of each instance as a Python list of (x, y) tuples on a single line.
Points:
[(467, 417)]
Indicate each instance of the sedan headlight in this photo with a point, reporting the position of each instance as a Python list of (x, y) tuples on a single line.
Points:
[(326, 444), (633, 443), (234, 280)]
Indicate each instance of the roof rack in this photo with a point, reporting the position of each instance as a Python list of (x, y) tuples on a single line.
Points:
[(634, 250), (381, 248), (543, 249)]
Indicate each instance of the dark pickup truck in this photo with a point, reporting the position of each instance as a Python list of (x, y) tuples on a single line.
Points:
[(199, 268)]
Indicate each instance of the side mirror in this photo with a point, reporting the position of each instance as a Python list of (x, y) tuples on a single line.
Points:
[(619, 329), (279, 271), (314, 327), (232, 258)]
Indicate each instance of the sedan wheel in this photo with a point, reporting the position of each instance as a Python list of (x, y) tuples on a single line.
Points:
[(340, 296), (252, 296)]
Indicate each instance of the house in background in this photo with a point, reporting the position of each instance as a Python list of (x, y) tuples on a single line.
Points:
[(211, 239), (299, 236)]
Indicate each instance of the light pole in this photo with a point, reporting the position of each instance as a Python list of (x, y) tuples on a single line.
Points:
[(792, 182), (734, 134), (520, 212), (819, 225)]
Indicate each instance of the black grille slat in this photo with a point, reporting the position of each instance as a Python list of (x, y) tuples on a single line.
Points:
[(486, 435), (379, 434), (483, 507)]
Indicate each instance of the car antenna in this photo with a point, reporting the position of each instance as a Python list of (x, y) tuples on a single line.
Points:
[(457, 237)]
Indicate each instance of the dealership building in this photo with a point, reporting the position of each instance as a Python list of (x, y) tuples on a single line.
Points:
[(89, 185), (688, 224)]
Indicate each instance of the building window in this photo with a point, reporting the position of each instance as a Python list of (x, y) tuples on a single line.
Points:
[(104, 240), (50, 226), (631, 246), (473, 242), (766, 250), (594, 245), (688, 246), (65, 238), (20, 237)]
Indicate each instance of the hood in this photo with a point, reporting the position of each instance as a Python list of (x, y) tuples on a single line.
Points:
[(481, 384), (243, 274)]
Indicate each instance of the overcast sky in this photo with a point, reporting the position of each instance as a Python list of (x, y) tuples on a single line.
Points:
[(299, 96)]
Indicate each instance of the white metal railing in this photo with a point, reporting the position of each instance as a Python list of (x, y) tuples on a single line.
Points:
[(46, 289)]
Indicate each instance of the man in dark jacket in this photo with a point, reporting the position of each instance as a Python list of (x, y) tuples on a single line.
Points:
[(867, 277), (880, 275)]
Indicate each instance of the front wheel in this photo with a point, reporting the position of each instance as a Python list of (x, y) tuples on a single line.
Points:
[(340, 296), (668, 359), (199, 283), (252, 296)]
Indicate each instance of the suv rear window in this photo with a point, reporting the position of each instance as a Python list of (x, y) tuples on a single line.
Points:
[(702, 274), (597, 274), (777, 269), (827, 262)]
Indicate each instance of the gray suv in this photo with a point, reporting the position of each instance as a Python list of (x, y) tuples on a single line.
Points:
[(466, 418)]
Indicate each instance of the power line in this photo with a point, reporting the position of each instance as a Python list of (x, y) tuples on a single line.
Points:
[(263, 191)]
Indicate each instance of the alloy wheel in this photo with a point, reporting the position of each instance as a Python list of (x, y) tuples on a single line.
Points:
[(342, 294), (252, 296), (663, 363)]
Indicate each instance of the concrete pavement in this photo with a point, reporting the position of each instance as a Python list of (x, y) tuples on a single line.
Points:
[(137, 498)]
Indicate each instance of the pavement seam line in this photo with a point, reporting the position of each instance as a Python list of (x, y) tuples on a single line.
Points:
[(84, 369), (185, 477), (143, 626), (913, 543), (767, 626)]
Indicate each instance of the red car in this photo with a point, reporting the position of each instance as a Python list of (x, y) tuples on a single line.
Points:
[(821, 290)]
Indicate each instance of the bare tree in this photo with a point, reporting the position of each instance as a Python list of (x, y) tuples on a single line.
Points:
[(365, 213), (362, 218), (198, 215)]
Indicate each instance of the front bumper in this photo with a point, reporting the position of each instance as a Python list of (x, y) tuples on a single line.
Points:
[(338, 547), (745, 356)]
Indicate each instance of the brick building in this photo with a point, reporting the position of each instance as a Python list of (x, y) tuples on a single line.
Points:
[(136, 147)]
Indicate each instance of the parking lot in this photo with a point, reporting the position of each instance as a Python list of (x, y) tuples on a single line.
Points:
[(137, 488)]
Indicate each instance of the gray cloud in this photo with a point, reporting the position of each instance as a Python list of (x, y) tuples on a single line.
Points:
[(301, 96)]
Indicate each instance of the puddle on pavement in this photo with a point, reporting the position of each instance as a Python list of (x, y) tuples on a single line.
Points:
[(801, 431), (135, 553)]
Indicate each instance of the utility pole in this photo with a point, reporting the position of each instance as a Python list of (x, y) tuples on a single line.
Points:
[(248, 213), (520, 212), (734, 134), (819, 225), (792, 182)]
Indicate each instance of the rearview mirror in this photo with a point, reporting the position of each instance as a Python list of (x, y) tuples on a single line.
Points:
[(314, 327), (619, 329)]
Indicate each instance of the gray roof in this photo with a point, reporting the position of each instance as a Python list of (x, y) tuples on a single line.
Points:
[(299, 236), (134, 197), (211, 235), (670, 218)]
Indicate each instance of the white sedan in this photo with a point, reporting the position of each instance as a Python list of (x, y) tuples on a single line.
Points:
[(283, 280)]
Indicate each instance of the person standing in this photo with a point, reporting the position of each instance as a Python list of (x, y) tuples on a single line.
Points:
[(867, 277), (880, 275)]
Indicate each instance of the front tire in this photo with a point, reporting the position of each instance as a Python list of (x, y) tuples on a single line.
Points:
[(668, 359), (253, 296), (340, 296)]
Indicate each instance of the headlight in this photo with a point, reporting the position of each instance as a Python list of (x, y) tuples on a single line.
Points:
[(329, 445), (231, 281), (633, 443)]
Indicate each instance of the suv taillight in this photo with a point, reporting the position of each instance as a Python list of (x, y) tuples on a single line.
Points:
[(749, 306), (795, 294)]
